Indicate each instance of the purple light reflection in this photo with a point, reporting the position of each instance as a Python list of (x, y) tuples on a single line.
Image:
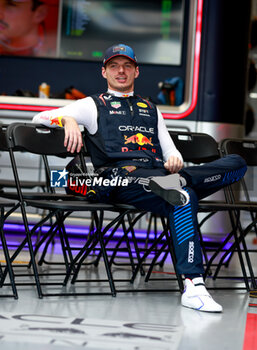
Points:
[(16, 229), (140, 234)]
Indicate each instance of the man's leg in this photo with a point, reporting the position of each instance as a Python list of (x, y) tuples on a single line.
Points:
[(184, 231), (204, 179), (210, 177)]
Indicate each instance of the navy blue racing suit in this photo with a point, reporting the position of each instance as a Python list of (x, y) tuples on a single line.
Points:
[(127, 137), (182, 220)]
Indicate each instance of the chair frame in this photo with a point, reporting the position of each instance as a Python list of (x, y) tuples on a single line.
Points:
[(200, 148), (51, 143), (18, 138)]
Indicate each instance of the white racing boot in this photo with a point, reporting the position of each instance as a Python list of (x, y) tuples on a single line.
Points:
[(196, 296), (170, 188)]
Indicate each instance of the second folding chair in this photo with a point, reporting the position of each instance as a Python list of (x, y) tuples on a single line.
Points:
[(39, 140), (199, 148)]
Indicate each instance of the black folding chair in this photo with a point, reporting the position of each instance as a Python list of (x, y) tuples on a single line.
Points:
[(198, 148), (38, 140), (243, 193), (32, 185)]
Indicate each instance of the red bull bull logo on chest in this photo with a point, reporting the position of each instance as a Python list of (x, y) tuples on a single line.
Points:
[(138, 138)]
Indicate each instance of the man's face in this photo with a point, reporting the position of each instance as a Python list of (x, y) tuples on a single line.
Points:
[(17, 19), (120, 73)]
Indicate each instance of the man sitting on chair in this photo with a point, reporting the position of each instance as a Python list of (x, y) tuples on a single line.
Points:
[(126, 134)]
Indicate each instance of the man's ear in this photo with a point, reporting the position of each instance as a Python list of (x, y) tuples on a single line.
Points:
[(136, 72), (103, 72), (40, 13)]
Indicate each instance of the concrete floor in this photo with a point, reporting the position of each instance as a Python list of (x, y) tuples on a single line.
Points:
[(131, 320)]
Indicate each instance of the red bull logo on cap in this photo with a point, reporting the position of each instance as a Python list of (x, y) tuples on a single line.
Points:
[(119, 48)]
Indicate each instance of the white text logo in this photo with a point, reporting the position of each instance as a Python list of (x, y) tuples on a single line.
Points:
[(212, 178), (191, 252)]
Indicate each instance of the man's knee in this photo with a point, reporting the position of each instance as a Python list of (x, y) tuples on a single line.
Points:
[(235, 160)]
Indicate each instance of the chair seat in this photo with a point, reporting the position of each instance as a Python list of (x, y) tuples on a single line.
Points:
[(126, 207), (24, 184), (69, 205), (205, 206), (39, 195), (6, 203)]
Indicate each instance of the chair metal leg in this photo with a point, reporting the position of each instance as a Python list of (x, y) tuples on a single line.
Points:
[(6, 254), (105, 257)]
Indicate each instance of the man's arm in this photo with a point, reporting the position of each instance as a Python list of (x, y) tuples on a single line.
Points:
[(173, 158), (82, 112), (73, 138)]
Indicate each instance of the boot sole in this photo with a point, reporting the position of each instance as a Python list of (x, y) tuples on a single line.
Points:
[(202, 310), (173, 196)]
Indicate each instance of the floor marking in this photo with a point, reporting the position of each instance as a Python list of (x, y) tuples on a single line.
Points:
[(252, 305), (250, 339), (87, 333)]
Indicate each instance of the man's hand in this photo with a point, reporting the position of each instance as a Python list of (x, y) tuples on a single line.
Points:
[(73, 137), (173, 164)]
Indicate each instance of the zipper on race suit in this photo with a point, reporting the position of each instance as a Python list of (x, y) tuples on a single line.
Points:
[(130, 107)]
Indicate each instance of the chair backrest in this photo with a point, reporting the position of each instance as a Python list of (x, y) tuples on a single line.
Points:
[(36, 139), (247, 149), (3, 140), (7, 181), (195, 147)]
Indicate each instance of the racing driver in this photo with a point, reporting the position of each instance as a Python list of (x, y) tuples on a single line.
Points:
[(126, 134)]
